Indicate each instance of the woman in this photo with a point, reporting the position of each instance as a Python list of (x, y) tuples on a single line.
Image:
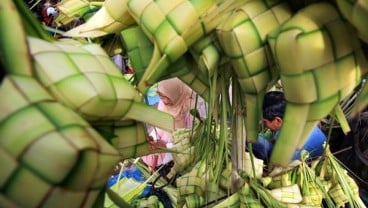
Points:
[(176, 98)]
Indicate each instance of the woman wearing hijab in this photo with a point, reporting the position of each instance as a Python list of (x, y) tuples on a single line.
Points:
[(176, 98)]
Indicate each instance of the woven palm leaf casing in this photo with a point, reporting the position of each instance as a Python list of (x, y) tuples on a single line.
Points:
[(138, 48), (243, 39), (57, 159), (112, 17), (187, 71), (185, 155), (287, 194), (207, 54), (84, 78), (192, 182), (70, 10), (314, 44), (248, 199), (356, 12), (140, 51), (129, 137), (13, 35), (362, 100), (340, 186), (173, 26), (232, 201), (84, 70)]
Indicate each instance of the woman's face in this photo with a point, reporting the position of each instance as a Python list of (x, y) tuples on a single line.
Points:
[(164, 99)]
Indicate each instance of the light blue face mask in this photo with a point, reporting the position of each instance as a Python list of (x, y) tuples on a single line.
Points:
[(51, 11)]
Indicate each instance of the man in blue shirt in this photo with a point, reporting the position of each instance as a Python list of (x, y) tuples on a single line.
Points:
[(273, 110)]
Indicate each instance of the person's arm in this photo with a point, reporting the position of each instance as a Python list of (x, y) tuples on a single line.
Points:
[(262, 148), (296, 155), (315, 143), (156, 141)]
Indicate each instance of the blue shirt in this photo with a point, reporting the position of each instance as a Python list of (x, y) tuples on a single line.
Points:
[(314, 145)]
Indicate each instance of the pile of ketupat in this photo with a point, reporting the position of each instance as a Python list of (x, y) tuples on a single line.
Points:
[(80, 116)]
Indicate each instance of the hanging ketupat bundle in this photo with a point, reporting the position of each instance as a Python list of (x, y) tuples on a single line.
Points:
[(139, 49), (90, 83), (93, 86), (311, 187), (342, 189), (314, 44), (243, 39), (171, 34), (356, 12), (121, 129), (57, 155)]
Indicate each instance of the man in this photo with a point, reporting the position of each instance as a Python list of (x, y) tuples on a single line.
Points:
[(273, 110)]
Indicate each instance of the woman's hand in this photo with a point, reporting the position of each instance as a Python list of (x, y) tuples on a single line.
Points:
[(154, 163), (156, 144)]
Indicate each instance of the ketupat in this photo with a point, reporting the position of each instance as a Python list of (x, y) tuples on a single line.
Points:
[(342, 188), (356, 12), (80, 160), (207, 54), (184, 152), (315, 43), (112, 17), (71, 10), (14, 35), (129, 137), (89, 82), (139, 49), (187, 71), (171, 34), (58, 156), (233, 201), (170, 73), (243, 39)]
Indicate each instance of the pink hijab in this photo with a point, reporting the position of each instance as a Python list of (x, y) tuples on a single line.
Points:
[(181, 97)]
